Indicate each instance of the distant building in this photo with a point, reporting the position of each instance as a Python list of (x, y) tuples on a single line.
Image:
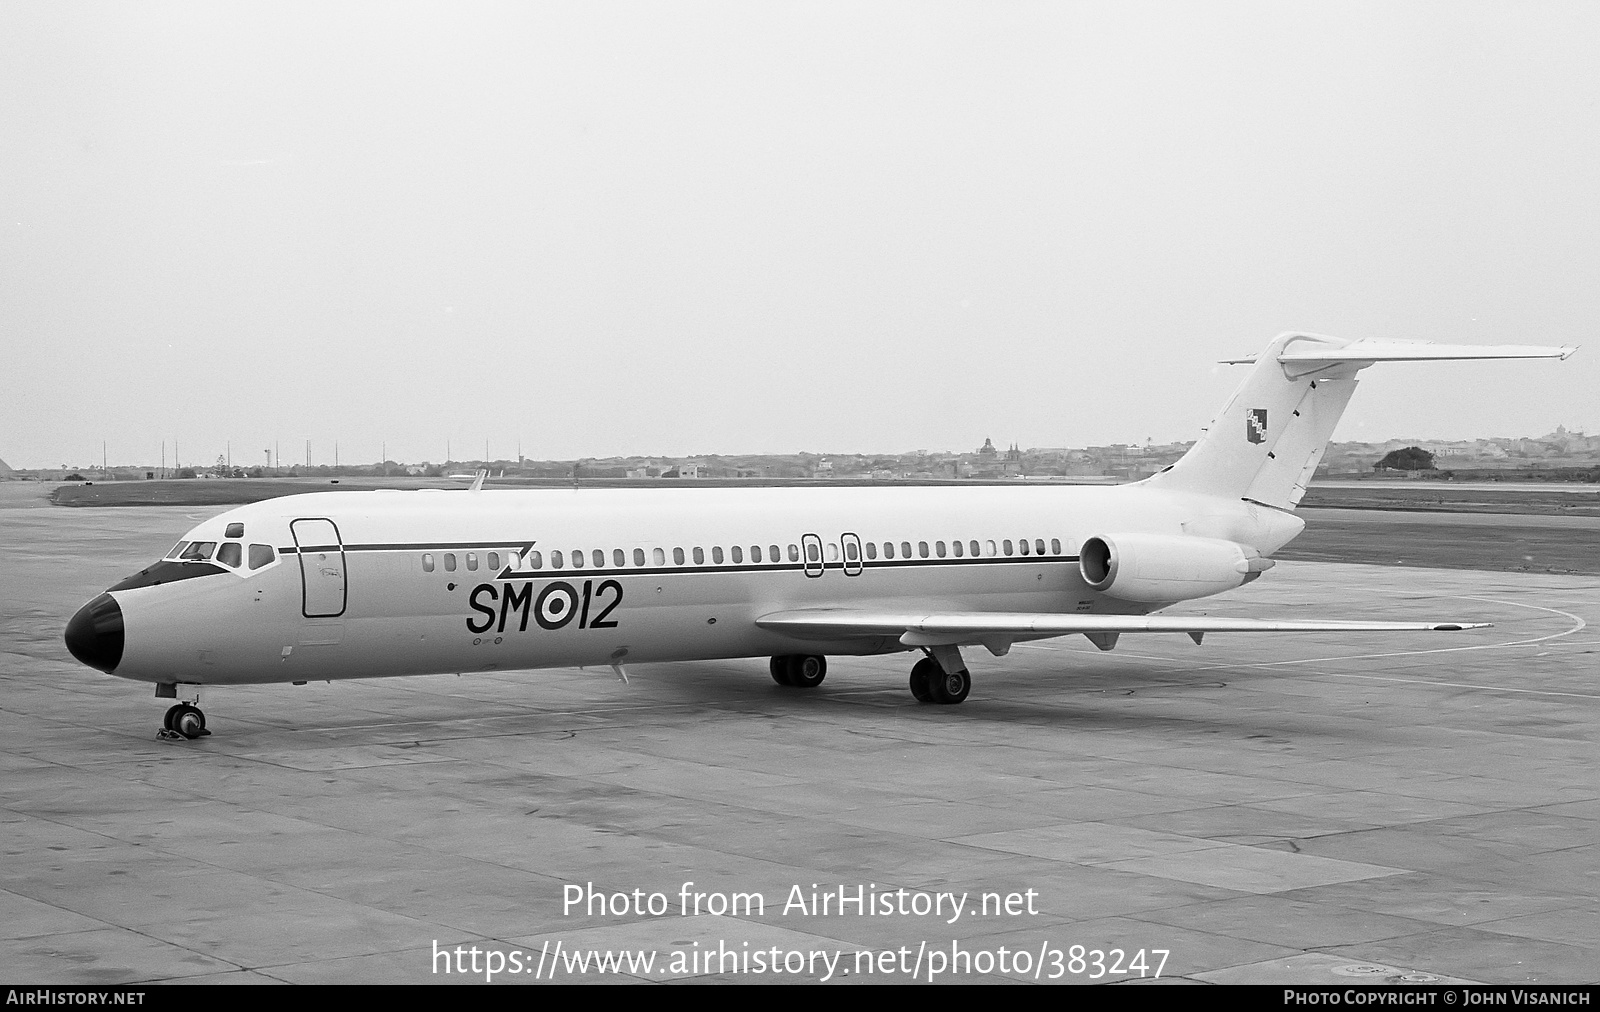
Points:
[(1012, 464)]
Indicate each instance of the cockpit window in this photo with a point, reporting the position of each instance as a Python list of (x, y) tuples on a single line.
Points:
[(231, 554), (177, 548), (234, 531), (262, 555), (198, 551)]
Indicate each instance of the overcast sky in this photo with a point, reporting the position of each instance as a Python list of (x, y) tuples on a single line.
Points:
[(682, 228)]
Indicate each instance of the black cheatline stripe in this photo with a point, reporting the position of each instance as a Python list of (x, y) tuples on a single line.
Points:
[(460, 546), (736, 567), (796, 567)]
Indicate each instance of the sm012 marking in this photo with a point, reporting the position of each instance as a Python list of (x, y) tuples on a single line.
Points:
[(555, 606)]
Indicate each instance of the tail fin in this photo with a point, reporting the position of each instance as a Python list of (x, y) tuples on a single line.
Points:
[(1267, 441)]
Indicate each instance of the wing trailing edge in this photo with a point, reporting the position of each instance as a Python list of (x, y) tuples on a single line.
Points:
[(1000, 629)]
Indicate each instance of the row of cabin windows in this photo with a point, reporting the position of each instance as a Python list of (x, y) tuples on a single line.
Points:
[(959, 549), (578, 558)]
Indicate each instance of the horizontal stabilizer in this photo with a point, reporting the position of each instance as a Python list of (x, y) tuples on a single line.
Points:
[(1266, 443), (930, 629), (1405, 351)]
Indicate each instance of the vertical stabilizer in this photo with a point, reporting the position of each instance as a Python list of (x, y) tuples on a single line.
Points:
[(1267, 441)]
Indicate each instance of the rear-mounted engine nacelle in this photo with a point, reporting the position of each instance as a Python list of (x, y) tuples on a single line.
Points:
[(1162, 568)]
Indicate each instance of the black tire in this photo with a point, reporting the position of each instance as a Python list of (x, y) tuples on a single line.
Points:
[(780, 670), (922, 675), (172, 713), (950, 688), (806, 671)]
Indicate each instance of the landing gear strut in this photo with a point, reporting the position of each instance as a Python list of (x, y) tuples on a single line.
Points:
[(930, 683), (803, 671)]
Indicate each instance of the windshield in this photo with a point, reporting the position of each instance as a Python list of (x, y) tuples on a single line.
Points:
[(198, 551)]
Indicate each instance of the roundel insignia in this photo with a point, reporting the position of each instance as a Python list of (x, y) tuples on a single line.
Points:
[(555, 606)]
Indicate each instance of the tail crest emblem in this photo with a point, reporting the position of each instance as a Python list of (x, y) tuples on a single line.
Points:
[(1255, 425)]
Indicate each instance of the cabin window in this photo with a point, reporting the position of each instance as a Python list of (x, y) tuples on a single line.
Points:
[(535, 560), (938, 549), (556, 561), (888, 549), (872, 549), (833, 552), (1023, 545), (776, 556), (812, 554), (638, 556), (472, 561), (198, 551), (716, 554), (699, 556), (619, 558), (755, 553), (955, 546), (677, 556), (262, 555), (851, 552), (234, 531), (922, 549), (659, 555), (1055, 546), (905, 549), (231, 554), (972, 547), (577, 558), (1038, 546), (989, 549), (1006, 546), (598, 557), (494, 560), (177, 549), (737, 553), (794, 553), (449, 562)]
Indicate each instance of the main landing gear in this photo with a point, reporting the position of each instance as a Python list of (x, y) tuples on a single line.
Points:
[(803, 671), (930, 683)]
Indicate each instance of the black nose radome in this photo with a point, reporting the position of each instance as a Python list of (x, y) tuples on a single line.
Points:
[(95, 634)]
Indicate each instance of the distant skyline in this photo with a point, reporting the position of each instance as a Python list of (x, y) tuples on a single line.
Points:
[(1001, 446), (632, 228)]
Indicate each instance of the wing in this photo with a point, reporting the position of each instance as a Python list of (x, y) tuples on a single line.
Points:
[(998, 630)]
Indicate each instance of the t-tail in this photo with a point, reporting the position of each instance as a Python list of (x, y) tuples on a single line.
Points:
[(1266, 443)]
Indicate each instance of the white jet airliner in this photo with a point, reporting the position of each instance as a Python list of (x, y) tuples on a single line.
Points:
[(368, 584)]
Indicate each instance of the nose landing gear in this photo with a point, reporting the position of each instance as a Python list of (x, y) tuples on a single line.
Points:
[(183, 721)]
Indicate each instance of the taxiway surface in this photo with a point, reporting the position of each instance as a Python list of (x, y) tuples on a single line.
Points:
[(1267, 809)]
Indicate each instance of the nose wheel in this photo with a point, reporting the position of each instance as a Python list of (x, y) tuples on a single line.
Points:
[(183, 721)]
